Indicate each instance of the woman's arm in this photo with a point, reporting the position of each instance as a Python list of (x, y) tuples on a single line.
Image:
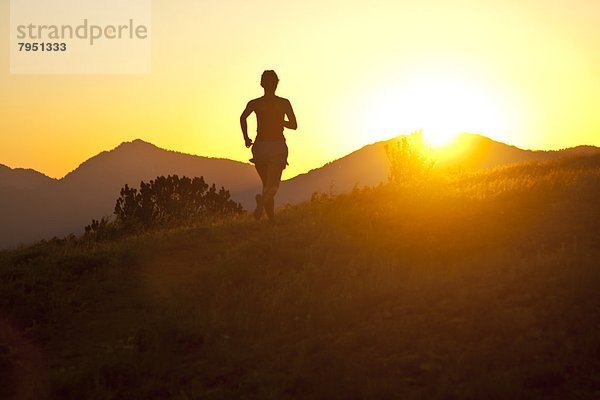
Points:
[(291, 121), (244, 125)]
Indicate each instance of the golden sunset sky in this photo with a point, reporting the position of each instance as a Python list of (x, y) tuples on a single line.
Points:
[(525, 72)]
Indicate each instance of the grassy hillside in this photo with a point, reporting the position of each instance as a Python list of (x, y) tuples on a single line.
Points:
[(480, 286)]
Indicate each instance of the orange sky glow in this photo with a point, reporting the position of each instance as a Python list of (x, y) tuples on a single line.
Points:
[(525, 72)]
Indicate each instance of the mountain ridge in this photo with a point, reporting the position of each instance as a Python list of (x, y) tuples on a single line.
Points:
[(22, 178), (34, 206), (579, 149)]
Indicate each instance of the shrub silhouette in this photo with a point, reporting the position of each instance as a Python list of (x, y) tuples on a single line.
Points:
[(102, 229), (164, 201), (167, 199)]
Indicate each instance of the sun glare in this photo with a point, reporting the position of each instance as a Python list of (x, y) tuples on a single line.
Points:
[(442, 106), (439, 138)]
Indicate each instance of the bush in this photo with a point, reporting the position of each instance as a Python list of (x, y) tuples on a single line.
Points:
[(102, 229), (168, 199), (162, 202), (410, 161)]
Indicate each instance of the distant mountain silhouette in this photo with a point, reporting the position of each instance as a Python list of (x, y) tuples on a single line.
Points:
[(369, 165), (21, 178), (98, 180), (476, 151), (34, 206)]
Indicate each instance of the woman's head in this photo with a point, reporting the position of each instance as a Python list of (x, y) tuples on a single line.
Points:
[(269, 80)]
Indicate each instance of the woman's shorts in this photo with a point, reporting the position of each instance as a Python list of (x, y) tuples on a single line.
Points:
[(270, 152)]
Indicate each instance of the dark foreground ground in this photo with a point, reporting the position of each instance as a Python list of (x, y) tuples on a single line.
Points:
[(480, 286)]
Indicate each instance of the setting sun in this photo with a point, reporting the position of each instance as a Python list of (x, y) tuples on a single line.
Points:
[(439, 138), (440, 103)]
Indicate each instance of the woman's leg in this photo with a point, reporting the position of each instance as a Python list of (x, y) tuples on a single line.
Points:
[(263, 173), (273, 175)]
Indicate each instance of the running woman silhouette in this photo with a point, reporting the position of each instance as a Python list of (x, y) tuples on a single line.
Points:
[(269, 150)]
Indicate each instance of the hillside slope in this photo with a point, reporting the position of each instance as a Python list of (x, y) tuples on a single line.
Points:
[(482, 285)]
